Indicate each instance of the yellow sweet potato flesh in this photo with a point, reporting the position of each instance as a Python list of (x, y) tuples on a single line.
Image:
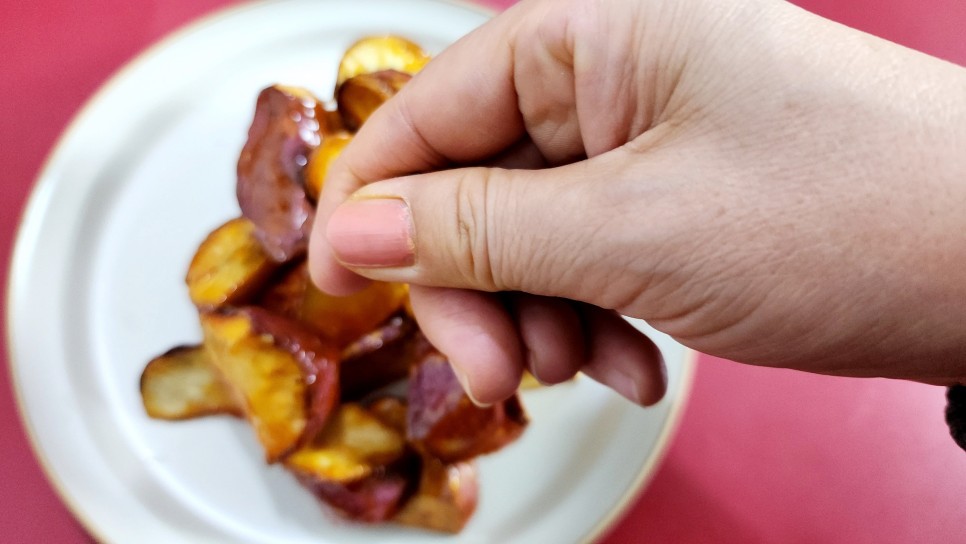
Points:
[(321, 160), (350, 447), (376, 53), (267, 378), (183, 384), (360, 96), (338, 320), (445, 499), (229, 266)]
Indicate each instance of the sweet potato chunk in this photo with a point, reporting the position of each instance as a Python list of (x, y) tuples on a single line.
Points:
[(377, 53), (382, 357), (351, 446), (183, 384), (360, 96), (339, 320), (271, 190), (444, 423), (445, 499), (331, 124), (229, 267), (391, 411), (358, 464), (321, 160), (373, 499), (286, 379)]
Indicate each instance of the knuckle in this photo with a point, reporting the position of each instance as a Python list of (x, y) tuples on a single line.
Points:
[(474, 236)]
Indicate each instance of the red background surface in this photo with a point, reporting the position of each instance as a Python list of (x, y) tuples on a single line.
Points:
[(761, 455)]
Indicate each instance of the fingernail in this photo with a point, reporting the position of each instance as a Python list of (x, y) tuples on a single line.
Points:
[(375, 232), (465, 383)]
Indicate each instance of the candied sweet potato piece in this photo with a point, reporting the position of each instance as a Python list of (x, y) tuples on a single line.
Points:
[(372, 499), (391, 411), (444, 423), (352, 445), (229, 267), (183, 384), (377, 53), (360, 96), (331, 124), (271, 192), (382, 357), (321, 160), (286, 378), (357, 464), (445, 499), (339, 320)]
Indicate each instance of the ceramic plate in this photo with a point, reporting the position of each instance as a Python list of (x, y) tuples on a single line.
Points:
[(143, 173)]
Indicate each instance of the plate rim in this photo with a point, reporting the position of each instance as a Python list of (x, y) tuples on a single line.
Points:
[(35, 204)]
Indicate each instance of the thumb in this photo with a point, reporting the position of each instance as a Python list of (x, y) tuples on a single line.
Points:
[(547, 232)]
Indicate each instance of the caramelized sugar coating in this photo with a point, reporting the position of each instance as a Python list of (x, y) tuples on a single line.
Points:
[(286, 379), (285, 131)]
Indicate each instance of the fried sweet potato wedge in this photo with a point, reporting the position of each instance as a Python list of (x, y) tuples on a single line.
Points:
[(358, 464), (331, 124), (229, 267), (445, 499), (377, 53), (183, 384), (358, 97), (351, 446), (321, 160), (339, 320), (373, 499), (391, 411), (443, 422), (285, 131), (285, 377), (382, 357)]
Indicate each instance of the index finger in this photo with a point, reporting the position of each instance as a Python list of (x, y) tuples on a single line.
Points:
[(461, 108)]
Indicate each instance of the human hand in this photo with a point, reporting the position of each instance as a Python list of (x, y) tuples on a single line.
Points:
[(759, 183)]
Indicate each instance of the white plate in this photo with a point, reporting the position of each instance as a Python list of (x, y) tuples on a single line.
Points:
[(96, 289)]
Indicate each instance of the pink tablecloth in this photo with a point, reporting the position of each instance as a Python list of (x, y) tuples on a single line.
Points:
[(761, 455)]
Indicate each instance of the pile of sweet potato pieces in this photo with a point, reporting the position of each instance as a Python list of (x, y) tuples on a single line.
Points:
[(314, 375)]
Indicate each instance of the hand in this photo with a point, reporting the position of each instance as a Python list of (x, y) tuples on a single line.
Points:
[(759, 183)]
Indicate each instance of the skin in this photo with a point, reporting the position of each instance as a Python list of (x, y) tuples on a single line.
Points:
[(759, 183)]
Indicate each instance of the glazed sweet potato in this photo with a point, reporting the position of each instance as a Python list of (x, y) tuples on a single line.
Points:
[(285, 131), (382, 357), (358, 464), (360, 96), (377, 53), (183, 384), (443, 422), (287, 380), (352, 445), (445, 499), (321, 160), (373, 499), (338, 320), (229, 267), (391, 411)]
